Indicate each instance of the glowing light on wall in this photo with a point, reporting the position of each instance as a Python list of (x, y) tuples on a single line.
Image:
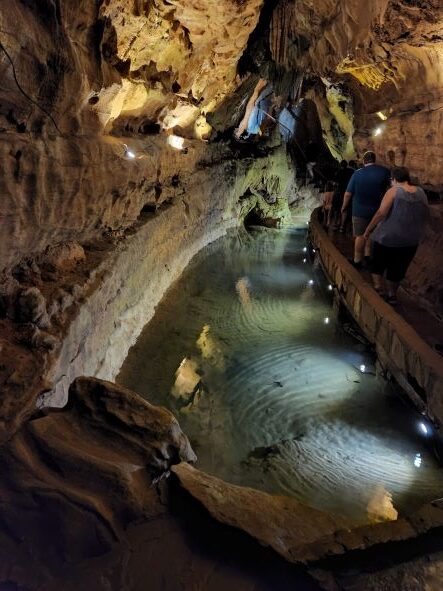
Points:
[(417, 460), (311, 282), (330, 288), (382, 116), (362, 368), (326, 320), (176, 142), (128, 152), (378, 130), (424, 428)]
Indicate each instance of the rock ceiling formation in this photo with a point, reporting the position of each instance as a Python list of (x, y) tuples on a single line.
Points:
[(81, 72)]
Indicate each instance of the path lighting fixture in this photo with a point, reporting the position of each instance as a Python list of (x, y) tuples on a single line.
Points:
[(382, 116), (424, 428), (305, 249), (417, 460), (330, 288), (313, 250), (362, 368), (311, 282), (305, 260), (176, 142), (326, 320)]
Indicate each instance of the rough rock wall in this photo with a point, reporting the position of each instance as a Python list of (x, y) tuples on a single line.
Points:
[(76, 310), (424, 279), (78, 70), (390, 55), (75, 479)]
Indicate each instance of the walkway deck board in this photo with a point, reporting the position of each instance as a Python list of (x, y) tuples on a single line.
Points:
[(403, 337)]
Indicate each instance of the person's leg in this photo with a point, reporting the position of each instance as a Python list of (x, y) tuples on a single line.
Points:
[(359, 248), (398, 262), (359, 225), (378, 266), (328, 219), (343, 220)]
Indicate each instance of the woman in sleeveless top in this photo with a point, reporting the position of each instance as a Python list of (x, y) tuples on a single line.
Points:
[(399, 227)]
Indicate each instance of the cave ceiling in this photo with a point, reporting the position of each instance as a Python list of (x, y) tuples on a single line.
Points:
[(178, 60), (80, 80), (143, 65)]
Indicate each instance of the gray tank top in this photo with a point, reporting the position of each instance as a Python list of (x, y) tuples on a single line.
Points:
[(405, 223)]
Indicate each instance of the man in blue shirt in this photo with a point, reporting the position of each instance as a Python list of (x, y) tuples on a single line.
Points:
[(366, 188)]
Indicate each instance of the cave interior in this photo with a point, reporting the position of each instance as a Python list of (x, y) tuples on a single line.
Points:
[(134, 134)]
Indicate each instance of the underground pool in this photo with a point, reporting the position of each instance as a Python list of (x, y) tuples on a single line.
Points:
[(273, 390)]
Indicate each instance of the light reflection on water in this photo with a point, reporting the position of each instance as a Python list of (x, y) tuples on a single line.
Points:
[(272, 395)]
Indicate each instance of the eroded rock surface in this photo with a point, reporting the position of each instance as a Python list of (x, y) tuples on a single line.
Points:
[(297, 532), (73, 480)]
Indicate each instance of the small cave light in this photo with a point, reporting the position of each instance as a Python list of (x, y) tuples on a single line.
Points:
[(311, 282), (176, 142), (381, 115), (305, 260), (362, 368), (305, 249), (378, 130), (417, 460), (313, 250), (326, 320), (128, 152), (330, 287), (424, 428)]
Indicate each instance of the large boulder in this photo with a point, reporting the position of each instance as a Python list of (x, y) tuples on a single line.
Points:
[(75, 479)]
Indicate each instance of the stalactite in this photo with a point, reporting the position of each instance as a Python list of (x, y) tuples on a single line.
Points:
[(283, 37)]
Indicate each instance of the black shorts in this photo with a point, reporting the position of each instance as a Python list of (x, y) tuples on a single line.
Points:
[(394, 260)]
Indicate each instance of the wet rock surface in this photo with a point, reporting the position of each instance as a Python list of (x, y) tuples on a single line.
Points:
[(297, 532), (85, 502)]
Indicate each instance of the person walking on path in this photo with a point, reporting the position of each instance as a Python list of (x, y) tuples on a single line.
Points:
[(399, 225), (366, 188), (342, 178), (328, 197)]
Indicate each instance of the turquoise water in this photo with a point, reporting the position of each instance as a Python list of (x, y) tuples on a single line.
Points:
[(246, 351)]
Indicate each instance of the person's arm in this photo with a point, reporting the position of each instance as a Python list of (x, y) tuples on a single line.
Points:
[(346, 200), (382, 212), (349, 192)]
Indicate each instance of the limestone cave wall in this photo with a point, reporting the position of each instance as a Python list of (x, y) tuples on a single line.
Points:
[(389, 57)]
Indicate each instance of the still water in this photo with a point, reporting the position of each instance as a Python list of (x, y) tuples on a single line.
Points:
[(268, 385)]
